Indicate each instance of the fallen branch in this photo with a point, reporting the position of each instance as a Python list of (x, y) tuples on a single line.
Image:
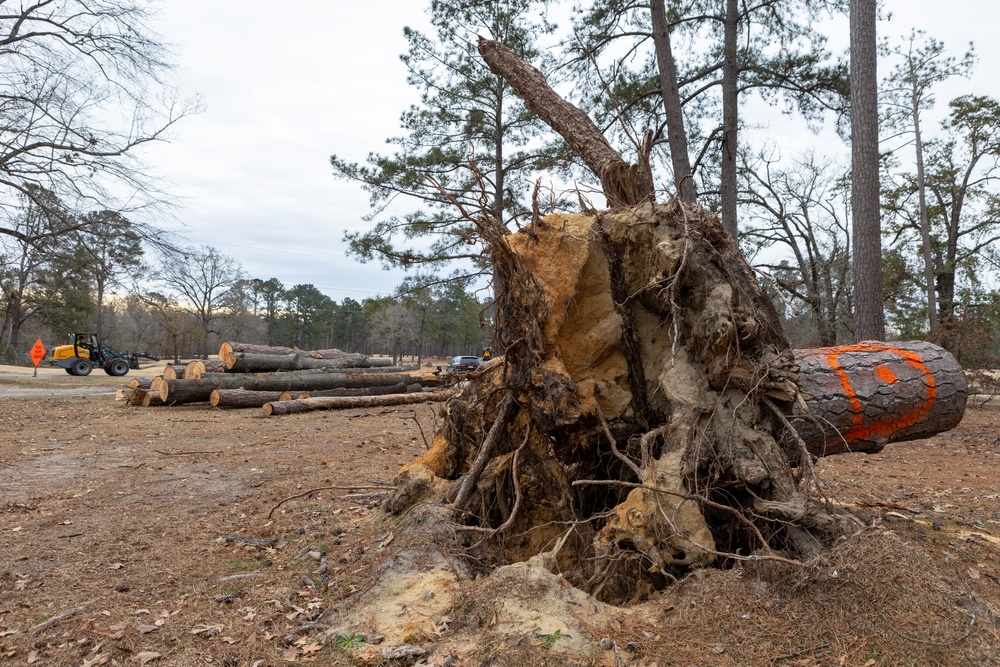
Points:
[(327, 488)]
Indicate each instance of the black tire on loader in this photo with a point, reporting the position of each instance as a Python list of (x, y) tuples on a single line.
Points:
[(70, 371), (117, 368), (82, 367)]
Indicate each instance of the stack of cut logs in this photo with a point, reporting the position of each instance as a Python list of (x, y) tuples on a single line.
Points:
[(284, 380)]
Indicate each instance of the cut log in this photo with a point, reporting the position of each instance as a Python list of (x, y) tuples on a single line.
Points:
[(137, 397), (227, 349), (194, 391), (151, 399), (246, 362), (862, 397), (228, 352), (243, 398), (400, 388), (154, 384), (194, 368), (139, 383), (174, 371), (345, 402), (199, 367)]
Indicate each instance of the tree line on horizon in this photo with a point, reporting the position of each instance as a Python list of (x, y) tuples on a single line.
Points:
[(94, 278)]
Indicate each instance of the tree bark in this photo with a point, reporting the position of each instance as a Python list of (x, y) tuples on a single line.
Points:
[(862, 397), (730, 120), (338, 403), (194, 391), (869, 317), (925, 225), (673, 112), (623, 184), (139, 383)]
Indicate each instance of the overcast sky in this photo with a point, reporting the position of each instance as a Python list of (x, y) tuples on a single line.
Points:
[(285, 89)]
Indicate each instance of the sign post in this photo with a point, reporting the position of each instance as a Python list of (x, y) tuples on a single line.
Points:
[(37, 354)]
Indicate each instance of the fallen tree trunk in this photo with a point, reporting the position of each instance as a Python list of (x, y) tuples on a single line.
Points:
[(139, 383), (226, 349), (345, 402), (194, 391), (623, 184), (862, 397), (244, 398)]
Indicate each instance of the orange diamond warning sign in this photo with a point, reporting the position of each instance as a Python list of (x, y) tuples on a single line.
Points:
[(38, 352)]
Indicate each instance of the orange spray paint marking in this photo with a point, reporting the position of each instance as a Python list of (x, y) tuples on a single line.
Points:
[(882, 428), (885, 374)]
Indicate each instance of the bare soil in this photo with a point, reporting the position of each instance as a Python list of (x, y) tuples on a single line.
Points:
[(189, 536)]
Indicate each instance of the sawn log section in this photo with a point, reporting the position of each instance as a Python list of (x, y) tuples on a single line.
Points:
[(862, 397), (339, 403), (193, 391)]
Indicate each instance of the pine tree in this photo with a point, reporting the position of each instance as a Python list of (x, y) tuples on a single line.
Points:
[(470, 141)]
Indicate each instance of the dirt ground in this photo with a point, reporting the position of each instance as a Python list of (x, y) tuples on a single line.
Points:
[(188, 536)]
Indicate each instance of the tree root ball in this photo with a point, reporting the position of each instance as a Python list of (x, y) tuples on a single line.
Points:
[(630, 432)]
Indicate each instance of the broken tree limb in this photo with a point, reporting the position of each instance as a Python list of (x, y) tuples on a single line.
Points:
[(194, 391), (862, 397), (623, 184), (340, 403)]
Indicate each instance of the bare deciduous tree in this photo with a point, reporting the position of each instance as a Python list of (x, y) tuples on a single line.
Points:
[(803, 209), (201, 279), (83, 85)]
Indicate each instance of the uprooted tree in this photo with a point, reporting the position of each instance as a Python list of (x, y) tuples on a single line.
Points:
[(645, 417)]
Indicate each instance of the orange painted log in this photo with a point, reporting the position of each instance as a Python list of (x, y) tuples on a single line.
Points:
[(862, 397)]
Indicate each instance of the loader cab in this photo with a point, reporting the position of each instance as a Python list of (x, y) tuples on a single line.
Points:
[(84, 344)]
